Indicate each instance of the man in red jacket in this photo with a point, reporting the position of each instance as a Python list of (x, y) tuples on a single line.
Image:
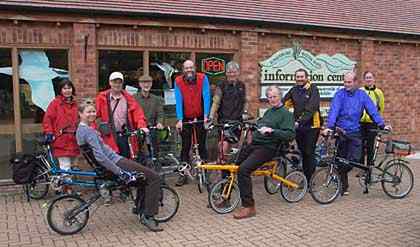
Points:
[(192, 96), (116, 110)]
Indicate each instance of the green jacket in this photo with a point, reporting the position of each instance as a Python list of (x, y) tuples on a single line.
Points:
[(152, 107), (279, 119)]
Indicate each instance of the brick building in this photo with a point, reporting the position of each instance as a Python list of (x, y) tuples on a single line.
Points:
[(86, 40)]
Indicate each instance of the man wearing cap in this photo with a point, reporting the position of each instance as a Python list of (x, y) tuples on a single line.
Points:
[(117, 110), (151, 104), (192, 97)]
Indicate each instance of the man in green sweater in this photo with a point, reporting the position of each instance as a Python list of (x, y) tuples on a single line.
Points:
[(274, 128)]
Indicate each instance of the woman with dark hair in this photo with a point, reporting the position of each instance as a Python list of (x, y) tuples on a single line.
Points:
[(60, 124)]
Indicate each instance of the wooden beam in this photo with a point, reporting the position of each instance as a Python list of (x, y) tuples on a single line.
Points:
[(146, 63), (16, 100)]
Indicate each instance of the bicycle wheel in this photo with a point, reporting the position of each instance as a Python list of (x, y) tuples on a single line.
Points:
[(40, 184), (66, 216), (325, 185), (271, 185), (216, 200), (398, 180), (168, 204), (294, 194)]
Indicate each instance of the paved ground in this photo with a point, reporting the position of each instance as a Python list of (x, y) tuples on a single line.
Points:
[(356, 220)]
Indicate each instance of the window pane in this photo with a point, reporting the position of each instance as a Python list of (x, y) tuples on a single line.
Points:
[(7, 128), (130, 63), (40, 71), (39, 74), (213, 65), (164, 67)]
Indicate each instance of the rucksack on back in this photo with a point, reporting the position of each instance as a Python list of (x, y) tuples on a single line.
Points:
[(23, 166)]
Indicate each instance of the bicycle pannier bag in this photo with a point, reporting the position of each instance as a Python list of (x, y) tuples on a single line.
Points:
[(23, 167)]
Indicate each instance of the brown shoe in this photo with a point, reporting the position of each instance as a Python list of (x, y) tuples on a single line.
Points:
[(244, 213)]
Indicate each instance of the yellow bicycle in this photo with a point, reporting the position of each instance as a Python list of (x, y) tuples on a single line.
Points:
[(224, 195)]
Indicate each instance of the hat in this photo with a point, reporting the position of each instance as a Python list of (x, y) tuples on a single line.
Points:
[(116, 75)]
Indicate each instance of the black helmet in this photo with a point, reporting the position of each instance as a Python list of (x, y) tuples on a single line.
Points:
[(232, 133)]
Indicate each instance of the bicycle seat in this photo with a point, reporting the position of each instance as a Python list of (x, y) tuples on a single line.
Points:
[(87, 153)]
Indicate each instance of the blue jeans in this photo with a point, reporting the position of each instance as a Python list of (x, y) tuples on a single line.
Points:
[(349, 148)]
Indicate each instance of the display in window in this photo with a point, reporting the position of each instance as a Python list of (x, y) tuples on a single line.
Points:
[(35, 69)]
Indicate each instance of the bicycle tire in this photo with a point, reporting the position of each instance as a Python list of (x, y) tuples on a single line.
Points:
[(395, 179), (271, 185), (287, 192), (168, 204), (54, 206), (39, 187), (327, 180), (218, 203)]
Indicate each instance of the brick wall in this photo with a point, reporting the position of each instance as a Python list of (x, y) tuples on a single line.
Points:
[(397, 66)]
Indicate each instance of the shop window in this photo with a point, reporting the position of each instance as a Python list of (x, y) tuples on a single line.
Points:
[(7, 129), (40, 71), (129, 63), (214, 65), (164, 67)]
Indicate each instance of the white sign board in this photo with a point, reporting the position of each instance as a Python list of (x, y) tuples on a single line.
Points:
[(327, 72)]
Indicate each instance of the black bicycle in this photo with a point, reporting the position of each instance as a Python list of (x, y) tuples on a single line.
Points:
[(395, 176)]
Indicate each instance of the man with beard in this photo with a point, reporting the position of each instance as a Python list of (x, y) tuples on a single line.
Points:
[(192, 96), (304, 98)]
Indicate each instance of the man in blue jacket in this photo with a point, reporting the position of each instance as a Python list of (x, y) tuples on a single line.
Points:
[(346, 109)]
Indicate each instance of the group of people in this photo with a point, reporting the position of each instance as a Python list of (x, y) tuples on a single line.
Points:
[(102, 125)]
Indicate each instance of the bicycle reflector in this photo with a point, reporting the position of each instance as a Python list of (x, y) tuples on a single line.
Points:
[(163, 134)]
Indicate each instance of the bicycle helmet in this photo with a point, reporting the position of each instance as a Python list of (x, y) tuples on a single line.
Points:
[(232, 133)]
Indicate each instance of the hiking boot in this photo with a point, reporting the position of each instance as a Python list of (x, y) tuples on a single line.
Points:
[(244, 213), (181, 181), (150, 223)]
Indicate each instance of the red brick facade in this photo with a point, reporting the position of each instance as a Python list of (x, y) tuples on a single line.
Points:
[(396, 63)]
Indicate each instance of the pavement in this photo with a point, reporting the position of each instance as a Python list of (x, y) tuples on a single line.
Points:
[(355, 220)]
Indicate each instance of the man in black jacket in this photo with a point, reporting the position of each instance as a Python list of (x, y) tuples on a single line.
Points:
[(304, 98)]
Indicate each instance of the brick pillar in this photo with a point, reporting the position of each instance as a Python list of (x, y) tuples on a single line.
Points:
[(250, 68), (367, 49), (84, 60)]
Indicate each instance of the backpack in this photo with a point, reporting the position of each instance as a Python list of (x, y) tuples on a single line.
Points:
[(23, 166)]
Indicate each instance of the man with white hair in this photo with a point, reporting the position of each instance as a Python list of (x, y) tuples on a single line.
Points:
[(276, 127), (229, 100), (346, 108)]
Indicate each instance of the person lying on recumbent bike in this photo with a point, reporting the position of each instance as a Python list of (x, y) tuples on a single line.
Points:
[(119, 165)]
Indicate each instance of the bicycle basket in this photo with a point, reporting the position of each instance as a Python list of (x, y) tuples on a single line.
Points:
[(398, 147)]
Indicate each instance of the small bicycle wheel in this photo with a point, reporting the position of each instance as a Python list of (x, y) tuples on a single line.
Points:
[(66, 216), (40, 184), (221, 204), (168, 204), (271, 185), (325, 185), (294, 194), (398, 180)]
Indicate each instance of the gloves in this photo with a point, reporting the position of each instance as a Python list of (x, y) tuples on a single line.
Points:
[(127, 177), (48, 138)]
